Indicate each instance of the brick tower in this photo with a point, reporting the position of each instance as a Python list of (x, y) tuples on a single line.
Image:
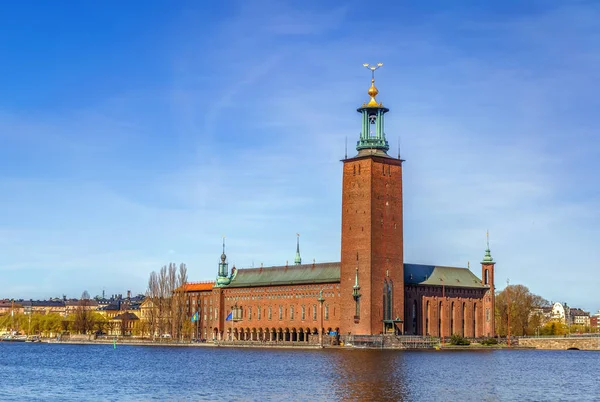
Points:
[(489, 300), (372, 258)]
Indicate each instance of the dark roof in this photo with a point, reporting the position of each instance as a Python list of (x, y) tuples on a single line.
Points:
[(327, 272), (126, 317), (417, 274), (43, 303)]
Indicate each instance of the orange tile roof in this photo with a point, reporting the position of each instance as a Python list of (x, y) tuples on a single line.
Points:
[(198, 286)]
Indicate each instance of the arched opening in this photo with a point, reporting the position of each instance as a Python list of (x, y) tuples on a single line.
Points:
[(294, 335), (573, 348), (452, 330), (486, 276)]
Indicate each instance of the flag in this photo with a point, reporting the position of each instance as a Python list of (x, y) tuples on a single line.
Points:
[(195, 317), (229, 317)]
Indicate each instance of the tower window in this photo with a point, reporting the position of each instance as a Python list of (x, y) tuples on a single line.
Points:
[(354, 170), (486, 277)]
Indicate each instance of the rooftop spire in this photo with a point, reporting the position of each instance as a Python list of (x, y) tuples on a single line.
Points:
[(487, 259), (223, 256), (298, 260)]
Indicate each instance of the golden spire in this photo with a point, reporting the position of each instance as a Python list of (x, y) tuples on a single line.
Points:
[(373, 89)]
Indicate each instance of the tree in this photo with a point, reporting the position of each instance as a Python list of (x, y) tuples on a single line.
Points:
[(523, 305), (166, 309), (83, 320)]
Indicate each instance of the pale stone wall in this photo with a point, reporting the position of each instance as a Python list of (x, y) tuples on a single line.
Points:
[(591, 343)]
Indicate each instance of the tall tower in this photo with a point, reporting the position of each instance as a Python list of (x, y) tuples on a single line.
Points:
[(489, 299), (372, 260)]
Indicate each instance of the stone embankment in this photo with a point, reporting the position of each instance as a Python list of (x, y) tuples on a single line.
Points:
[(562, 343)]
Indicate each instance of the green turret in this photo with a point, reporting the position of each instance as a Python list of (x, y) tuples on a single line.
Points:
[(487, 259), (222, 278), (372, 135)]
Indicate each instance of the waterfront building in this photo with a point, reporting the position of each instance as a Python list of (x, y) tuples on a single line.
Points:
[(371, 290)]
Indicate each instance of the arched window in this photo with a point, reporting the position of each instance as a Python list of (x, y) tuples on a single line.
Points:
[(427, 318), (452, 330), (249, 313), (414, 317), (314, 311), (388, 301), (291, 312), (303, 312), (440, 314), (326, 312), (259, 312), (270, 313), (486, 275), (475, 320), (280, 312), (464, 319)]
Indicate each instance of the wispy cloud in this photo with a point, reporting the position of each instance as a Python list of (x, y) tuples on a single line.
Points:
[(495, 114)]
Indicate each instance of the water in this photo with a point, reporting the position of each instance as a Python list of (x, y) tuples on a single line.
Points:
[(98, 372)]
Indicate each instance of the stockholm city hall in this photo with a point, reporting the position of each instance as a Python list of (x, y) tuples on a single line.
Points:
[(371, 291)]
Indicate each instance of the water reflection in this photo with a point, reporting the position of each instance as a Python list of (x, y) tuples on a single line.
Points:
[(370, 375)]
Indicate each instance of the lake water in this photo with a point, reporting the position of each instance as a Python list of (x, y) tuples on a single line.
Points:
[(30, 371)]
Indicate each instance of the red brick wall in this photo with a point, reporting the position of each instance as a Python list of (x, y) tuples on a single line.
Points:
[(371, 231), (250, 299), (464, 301)]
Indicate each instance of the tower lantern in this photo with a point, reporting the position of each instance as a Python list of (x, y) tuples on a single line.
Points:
[(372, 135)]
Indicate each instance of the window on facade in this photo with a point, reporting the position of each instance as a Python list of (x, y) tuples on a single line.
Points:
[(487, 314), (486, 277), (314, 311), (326, 312), (249, 313), (291, 312), (259, 311), (280, 312), (270, 312), (303, 312)]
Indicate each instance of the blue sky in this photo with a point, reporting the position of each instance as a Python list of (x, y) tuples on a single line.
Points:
[(135, 135)]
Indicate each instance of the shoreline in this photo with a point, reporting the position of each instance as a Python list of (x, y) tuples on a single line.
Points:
[(281, 346)]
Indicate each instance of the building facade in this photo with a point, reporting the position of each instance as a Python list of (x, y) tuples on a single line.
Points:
[(371, 291)]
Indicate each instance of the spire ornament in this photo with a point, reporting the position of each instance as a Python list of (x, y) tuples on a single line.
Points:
[(373, 91)]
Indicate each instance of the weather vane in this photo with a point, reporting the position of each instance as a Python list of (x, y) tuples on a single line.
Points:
[(373, 68)]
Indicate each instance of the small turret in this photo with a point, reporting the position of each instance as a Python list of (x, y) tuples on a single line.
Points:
[(222, 278)]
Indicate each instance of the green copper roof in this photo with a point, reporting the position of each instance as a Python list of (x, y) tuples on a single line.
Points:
[(416, 274), (328, 272), (487, 259)]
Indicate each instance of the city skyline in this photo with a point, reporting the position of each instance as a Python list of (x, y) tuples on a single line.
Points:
[(134, 139)]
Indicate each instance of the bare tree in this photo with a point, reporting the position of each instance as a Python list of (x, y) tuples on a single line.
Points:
[(84, 318), (167, 308), (152, 310)]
